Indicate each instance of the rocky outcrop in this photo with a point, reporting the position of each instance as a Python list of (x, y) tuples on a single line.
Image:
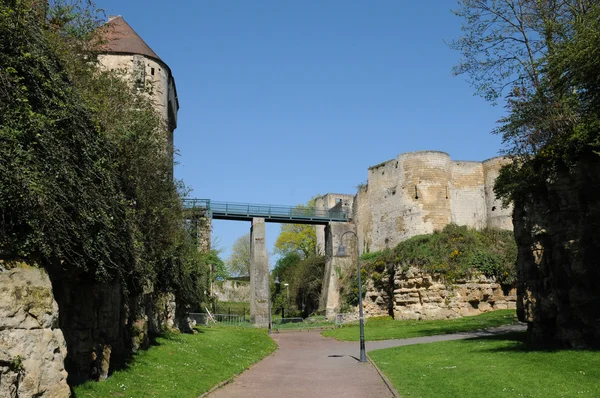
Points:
[(32, 347), (557, 229), (418, 295)]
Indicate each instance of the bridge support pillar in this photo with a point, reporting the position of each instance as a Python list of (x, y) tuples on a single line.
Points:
[(259, 274), (320, 237), (337, 267), (203, 230)]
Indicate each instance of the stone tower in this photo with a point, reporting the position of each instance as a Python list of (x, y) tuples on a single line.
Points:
[(123, 49)]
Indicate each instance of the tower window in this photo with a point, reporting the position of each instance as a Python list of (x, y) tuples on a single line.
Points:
[(152, 71)]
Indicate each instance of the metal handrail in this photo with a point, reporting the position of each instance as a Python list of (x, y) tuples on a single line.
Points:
[(261, 210)]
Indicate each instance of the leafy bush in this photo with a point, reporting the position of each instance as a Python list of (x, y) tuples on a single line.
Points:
[(454, 252)]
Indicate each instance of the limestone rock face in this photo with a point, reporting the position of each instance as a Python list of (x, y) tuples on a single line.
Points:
[(418, 295), (32, 347), (556, 230)]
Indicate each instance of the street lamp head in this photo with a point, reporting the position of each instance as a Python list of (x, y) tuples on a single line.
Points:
[(341, 251), (286, 284), (277, 279)]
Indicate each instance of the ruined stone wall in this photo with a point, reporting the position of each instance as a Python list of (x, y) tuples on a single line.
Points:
[(418, 295), (32, 346), (232, 290), (557, 232), (331, 201)]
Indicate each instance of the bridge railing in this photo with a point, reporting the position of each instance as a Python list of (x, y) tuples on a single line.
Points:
[(258, 210)]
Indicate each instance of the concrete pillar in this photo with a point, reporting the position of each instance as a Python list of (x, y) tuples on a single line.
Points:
[(259, 274), (337, 267)]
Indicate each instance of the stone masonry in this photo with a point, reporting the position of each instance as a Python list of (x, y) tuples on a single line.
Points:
[(259, 273), (418, 295), (420, 192), (416, 193), (32, 347)]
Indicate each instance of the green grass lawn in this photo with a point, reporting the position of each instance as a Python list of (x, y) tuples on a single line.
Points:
[(500, 366), (185, 365), (385, 328)]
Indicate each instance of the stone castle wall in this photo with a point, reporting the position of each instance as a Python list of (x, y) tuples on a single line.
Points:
[(139, 69), (416, 193), (418, 295), (32, 346), (420, 192)]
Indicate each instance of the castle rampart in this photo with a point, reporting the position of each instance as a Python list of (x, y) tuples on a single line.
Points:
[(421, 192), (417, 193)]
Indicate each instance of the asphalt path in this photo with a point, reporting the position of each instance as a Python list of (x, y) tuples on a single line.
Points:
[(307, 364)]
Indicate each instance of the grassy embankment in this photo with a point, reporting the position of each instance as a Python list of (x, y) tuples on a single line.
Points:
[(500, 366), (387, 328), (181, 365)]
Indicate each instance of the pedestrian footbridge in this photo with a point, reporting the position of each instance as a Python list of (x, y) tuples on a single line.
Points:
[(330, 226), (271, 213)]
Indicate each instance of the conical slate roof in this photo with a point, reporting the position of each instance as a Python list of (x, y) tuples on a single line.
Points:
[(121, 38)]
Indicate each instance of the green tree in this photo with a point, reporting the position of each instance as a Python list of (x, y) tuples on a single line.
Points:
[(507, 48), (238, 263), (298, 238), (60, 199), (543, 55)]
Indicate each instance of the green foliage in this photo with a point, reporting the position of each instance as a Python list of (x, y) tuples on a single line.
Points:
[(545, 55), (238, 263), (219, 270), (305, 279), (59, 189), (349, 288), (299, 238), (86, 183), (454, 252), (171, 367), (16, 364)]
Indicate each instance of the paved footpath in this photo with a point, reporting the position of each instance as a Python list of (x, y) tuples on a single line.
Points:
[(307, 364)]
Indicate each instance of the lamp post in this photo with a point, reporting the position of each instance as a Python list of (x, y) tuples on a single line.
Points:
[(269, 307), (342, 253), (277, 290), (287, 294)]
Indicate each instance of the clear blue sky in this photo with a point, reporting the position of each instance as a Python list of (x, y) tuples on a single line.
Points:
[(283, 100)]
